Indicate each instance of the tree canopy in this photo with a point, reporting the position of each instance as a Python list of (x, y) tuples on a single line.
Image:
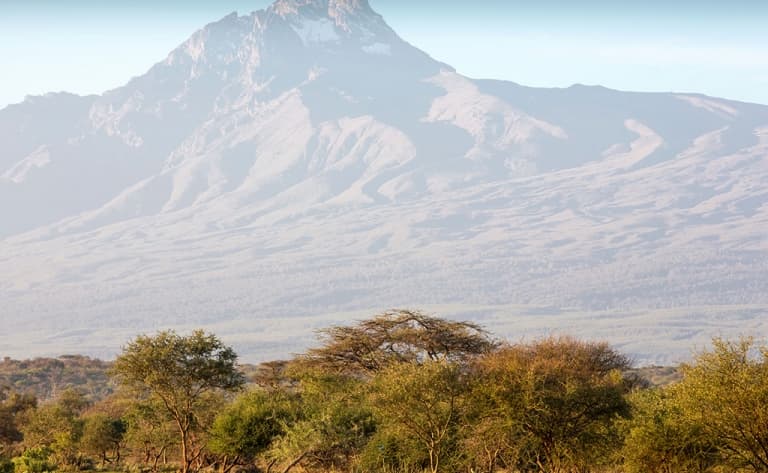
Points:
[(396, 337), (552, 401), (401, 392), (180, 372), (725, 391)]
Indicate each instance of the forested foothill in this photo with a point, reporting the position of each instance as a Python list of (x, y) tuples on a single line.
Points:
[(400, 392)]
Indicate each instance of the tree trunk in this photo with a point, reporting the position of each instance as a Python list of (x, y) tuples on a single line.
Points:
[(184, 450), (156, 460), (433, 459)]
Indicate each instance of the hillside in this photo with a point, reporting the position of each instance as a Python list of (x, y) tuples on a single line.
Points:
[(304, 165)]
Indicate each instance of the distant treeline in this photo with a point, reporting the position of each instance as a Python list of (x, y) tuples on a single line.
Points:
[(400, 392), (46, 378)]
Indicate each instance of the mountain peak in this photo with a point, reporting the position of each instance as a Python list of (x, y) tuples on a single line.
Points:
[(333, 18), (333, 8)]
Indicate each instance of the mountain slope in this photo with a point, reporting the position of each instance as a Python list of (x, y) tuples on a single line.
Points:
[(303, 163)]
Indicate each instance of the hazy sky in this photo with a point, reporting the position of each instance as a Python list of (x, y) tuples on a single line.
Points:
[(715, 47)]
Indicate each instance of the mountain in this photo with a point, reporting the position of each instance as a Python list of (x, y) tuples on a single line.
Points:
[(303, 165)]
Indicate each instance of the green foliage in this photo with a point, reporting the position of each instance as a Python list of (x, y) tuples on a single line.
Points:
[(661, 438), (331, 421), (406, 393), (725, 391), (6, 466), (150, 432), (177, 369), (550, 404), (390, 451), (426, 402), (13, 406), (245, 429), (34, 460), (181, 373), (57, 427), (102, 436)]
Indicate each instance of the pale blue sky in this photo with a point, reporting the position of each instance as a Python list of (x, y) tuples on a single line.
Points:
[(715, 47)]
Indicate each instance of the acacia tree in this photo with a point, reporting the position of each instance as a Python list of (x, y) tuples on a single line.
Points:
[(330, 425), (150, 433), (181, 373), (401, 336), (246, 429), (660, 438), (12, 406), (553, 401), (426, 402), (102, 435), (725, 391), (57, 428)]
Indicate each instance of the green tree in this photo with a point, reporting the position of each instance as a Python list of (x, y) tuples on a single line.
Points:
[(245, 429), (180, 372), (151, 432), (424, 401), (392, 450), (13, 406), (330, 425), (726, 392), (57, 428), (102, 437), (660, 438), (34, 460), (550, 405)]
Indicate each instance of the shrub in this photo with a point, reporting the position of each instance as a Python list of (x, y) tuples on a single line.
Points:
[(34, 460)]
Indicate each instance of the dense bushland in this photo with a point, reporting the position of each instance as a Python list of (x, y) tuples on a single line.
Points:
[(401, 392)]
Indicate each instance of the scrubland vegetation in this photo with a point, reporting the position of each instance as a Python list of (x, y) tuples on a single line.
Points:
[(401, 392)]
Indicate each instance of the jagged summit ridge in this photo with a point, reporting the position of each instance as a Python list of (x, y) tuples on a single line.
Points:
[(324, 24), (319, 21), (333, 8), (267, 52)]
